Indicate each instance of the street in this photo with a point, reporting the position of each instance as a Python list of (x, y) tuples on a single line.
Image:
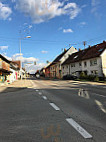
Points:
[(53, 111)]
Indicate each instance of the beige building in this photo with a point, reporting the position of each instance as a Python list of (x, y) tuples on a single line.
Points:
[(91, 61), (55, 66)]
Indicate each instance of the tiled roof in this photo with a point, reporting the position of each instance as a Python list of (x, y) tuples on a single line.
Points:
[(88, 53), (5, 59)]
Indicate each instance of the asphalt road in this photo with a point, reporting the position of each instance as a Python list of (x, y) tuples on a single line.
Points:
[(54, 111)]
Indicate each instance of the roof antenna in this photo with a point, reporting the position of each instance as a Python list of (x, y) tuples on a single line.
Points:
[(84, 43)]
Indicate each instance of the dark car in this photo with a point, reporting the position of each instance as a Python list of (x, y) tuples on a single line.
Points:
[(69, 77)]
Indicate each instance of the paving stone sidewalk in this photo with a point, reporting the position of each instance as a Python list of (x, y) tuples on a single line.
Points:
[(15, 86)]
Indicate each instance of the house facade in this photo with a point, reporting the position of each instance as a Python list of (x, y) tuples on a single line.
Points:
[(55, 67), (47, 71), (4, 68), (91, 61), (9, 70)]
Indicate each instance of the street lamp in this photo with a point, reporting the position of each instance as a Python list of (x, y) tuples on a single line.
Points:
[(21, 53)]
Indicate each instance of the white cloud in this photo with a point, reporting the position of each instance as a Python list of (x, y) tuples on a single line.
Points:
[(43, 10), (33, 68), (5, 11), (83, 23), (3, 47), (44, 52), (24, 59), (30, 26), (67, 31), (95, 4)]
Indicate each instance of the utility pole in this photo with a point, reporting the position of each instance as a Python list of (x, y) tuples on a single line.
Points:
[(84, 43)]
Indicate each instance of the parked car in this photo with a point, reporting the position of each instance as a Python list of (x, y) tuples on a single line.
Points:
[(69, 77)]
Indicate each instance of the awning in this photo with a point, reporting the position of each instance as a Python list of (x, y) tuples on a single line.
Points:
[(5, 71)]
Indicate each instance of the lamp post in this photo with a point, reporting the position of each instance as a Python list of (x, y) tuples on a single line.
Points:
[(20, 51)]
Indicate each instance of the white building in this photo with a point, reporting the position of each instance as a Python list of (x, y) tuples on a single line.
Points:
[(55, 66), (92, 61)]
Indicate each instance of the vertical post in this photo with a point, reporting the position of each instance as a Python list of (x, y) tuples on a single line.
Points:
[(20, 57)]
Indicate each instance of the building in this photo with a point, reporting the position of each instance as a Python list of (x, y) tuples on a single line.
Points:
[(47, 70), (55, 66), (91, 61), (4, 69)]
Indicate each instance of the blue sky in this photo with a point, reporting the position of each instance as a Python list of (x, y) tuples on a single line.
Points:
[(52, 24)]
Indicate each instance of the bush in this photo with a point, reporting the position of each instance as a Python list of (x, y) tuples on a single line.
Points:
[(96, 79), (82, 75), (91, 77)]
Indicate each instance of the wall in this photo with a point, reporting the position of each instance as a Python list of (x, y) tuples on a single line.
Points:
[(103, 58), (68, 69)]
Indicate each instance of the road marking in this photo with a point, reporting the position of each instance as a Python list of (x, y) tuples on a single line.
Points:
[(44, 97), (100, 106), (37, 90), (99, 95), (82, 131), (104, 86), (40, 93), (54, 106)]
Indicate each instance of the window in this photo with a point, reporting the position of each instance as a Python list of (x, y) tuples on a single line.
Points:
[(93, 62), (85, 64), (94, 72), (72, 65), (63, 68), (80, 64)]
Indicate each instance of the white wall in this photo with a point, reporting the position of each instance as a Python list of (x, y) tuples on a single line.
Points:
[(103, 58), (88, 68)]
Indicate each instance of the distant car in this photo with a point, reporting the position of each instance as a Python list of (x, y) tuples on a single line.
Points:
[(37, 76), (69, 77)]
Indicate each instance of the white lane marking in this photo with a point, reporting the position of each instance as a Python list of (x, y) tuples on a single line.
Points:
[(54, 106), (100, 106), (99, 95), (40, 93), (37, 90), (82, 131), (104, 86), (44, 97)]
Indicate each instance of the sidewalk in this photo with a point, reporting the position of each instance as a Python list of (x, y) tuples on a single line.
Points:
[(15, 86)]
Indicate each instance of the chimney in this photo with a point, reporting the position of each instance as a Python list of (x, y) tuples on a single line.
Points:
[(79, 49), (104, 41), (64, 49), (89, 46)]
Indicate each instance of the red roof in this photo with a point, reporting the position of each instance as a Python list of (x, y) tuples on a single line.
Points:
[(88, 53)]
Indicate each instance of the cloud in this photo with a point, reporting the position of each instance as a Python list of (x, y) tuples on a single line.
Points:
[(33, 68), (95, 4), (41, 11), (82, 24), (44, 52), (24, 59), (67, 31), (5, 11), (30, 26), (3, 47)]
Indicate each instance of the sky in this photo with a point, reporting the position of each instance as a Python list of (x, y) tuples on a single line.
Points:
[(52, 24)]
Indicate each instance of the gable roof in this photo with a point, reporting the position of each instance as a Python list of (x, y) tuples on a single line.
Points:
[(5, 59), (88, 53), (57, 59)]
